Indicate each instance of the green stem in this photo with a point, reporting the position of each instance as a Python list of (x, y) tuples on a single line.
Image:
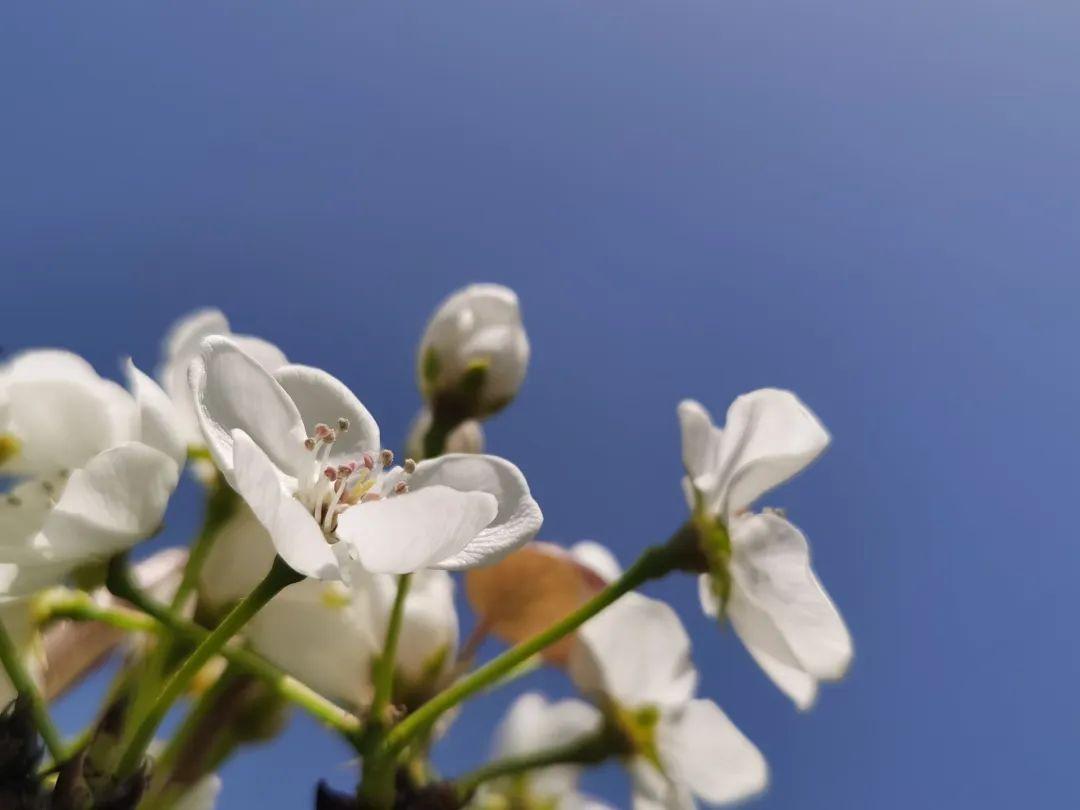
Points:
[(279, 577), (654, 563), (285, 685), (221, 505), (590, 750), (384, 681), (25, 686)]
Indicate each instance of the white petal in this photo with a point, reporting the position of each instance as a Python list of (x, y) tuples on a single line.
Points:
[(201, 796), (321, 633), (232, 391), (598, 559), (533, 723), (430, 624), (117, 499), (771, 564), (700, 444), (241, 554), (159, 423), (654, 670), (51, 364), (767, 646), (297, 538), (518, 518), (770, 435), (652, 790), (62, 422), (703, 750), (322, 398), (418, 529)]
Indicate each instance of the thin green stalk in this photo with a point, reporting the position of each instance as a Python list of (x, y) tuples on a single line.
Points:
[(221, 504), (590, 750), (279, 577), (384, 681), (25, 686), (286, 686), (654, 563)]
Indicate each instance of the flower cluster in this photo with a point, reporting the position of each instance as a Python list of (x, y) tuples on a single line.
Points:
[(324, 579)]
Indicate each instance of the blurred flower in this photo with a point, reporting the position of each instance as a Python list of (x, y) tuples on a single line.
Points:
[(328, 634), (474, 352), (536, 586), (634, 659), (468, 437), (183, 343), (202, 796), (104, 461), (304, 453), (760, 575), (532, 725)]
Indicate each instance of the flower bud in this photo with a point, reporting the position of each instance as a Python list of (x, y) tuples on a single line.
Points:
[(474, 353), (468, 437)]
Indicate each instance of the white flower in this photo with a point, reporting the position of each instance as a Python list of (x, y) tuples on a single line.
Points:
[(328, 634), (634, 658), (203, 795), (104, 462), (304, 453), (477, 330), (533, 724), (536, 586), (468, 437), (774, 601), (183, 343)]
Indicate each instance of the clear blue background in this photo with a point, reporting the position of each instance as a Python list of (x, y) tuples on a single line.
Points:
[(872, 203)]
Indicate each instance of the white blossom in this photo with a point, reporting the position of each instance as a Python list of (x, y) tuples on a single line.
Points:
[(531, 725), (182, 344), (478, 328), (634, 660), (203, 795), (304, 454), (775, 602), (95, 465)]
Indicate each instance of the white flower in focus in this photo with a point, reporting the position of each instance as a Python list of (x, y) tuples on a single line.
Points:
[(468, 437), (532, 725), (474, 351), (96, 466), (761, 575), (203, 795), (634, 658), (304, 453), (534, 587), (183, 343)]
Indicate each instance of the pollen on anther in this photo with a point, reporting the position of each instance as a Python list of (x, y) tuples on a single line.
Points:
[(400, 488), (343, 424), (386, 457), (309, 444), (409, 466)]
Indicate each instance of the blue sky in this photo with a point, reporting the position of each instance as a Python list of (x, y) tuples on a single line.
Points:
[(874, 204)]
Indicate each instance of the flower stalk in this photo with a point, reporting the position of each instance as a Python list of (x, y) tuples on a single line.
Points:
[(25, 686), (279, 577)]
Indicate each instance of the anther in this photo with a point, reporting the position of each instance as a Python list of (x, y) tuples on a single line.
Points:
[(48, 486), (309, 444), (371, 496), (369, 461), (409, 466), (386, 457), (331, 474), (400, 488), (322, 430), (14, 500), (343, 424)]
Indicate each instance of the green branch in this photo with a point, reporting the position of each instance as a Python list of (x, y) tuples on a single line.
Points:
[(25, 686)]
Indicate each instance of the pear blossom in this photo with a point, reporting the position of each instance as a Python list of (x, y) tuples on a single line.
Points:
[(534, 724), (536, 586), (329, 634), (95, 466), (761, 576), (183, 343), (683, 748), (476, 331), (304, 454), (468, 437)]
